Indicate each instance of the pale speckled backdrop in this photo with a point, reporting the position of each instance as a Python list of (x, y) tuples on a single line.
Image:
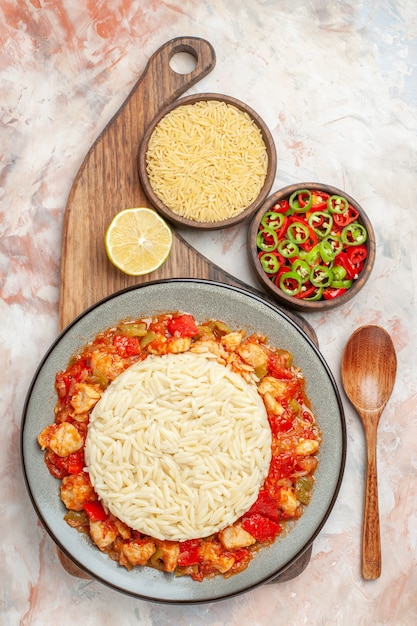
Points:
[(337, 85)]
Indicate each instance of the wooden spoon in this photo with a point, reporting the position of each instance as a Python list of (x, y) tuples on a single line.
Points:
[(369, 366)]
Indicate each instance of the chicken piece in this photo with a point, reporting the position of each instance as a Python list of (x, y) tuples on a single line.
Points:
[(272, 405), (158, 345), (76, 490), (179, 344), (235, 537), (276, 388), (306, 447), (63, 439), (123, 530), (288, 502), (211, 552), (209, 346), (232, 341), (84, 397), (103, 533), (106, 365), (136, 552), (254, 354), (169, 553)]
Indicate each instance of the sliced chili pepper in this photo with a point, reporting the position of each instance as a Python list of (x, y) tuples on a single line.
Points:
[(269, 262), (314, 256), (319, 200), (312, 293), (341, 284), (344, 261), (281, 207), (273, 220), (288, 248), (321, 222), (300, 201), (336, 243), (354, 234), (339, 272), (330, 293), (321, 276), (298, 233), (267, 239), (290, 283), (302, 268), (337, 204), (327, 252), (357, 254), (343, 219)]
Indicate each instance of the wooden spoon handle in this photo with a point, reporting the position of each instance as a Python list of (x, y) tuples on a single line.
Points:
[(371, 541)]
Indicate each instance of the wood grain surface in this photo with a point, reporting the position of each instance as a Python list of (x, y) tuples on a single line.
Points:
[(107, 182)]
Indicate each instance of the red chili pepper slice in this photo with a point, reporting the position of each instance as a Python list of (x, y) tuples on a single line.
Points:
[(330, 293), (357, 254), (95, 511), (189, 552), (343, 219), (261, 528), (182, 326), (343, 260)]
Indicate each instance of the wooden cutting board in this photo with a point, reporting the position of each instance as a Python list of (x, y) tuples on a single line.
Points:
[(108, 181)]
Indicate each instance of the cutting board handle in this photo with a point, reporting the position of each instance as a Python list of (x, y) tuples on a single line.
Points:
[(168, 81)]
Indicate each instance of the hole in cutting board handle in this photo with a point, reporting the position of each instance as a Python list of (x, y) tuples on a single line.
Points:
[(183, 62)]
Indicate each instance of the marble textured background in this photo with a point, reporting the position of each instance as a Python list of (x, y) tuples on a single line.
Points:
[(337, 85)]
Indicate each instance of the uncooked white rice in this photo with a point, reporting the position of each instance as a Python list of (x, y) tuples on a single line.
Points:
[(178, 446), (207, 161)]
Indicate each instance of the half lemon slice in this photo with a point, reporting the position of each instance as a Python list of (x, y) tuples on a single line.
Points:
[(138, 241)]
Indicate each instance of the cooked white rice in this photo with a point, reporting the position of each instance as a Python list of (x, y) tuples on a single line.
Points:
[(178, 446)]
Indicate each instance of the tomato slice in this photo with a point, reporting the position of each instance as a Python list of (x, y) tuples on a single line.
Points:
[(261, 528), (182, 326)]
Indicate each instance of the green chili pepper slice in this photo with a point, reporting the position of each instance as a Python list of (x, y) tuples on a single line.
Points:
[(321, 222), (341, 284), (298, 233), (267, 239), (290, 283), (313, 257), (321, 276), (354, 234), (269, 262), (302, 268), (336, 243), (301, 200), (317, 295), (273, 220), (326, 251), (339, 272), (287, 248), (337, 204)]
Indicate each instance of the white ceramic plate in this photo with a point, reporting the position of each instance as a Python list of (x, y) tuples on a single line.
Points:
[(204, 299)]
